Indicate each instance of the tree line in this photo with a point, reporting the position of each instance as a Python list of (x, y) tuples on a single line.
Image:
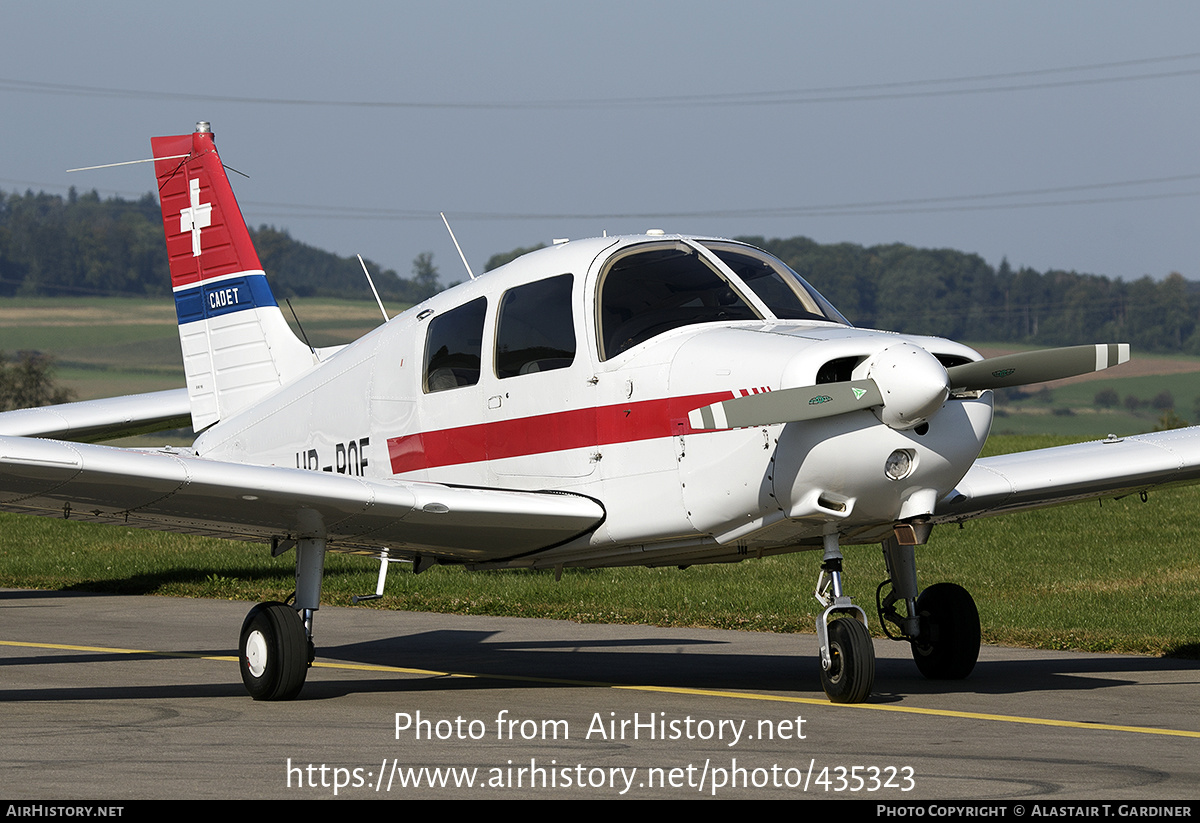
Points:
[(959, 295), (81, 244)]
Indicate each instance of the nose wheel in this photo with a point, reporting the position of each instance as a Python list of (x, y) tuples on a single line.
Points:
[(851, 669)]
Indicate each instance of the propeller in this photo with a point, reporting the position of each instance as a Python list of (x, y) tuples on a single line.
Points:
[(906, 385)]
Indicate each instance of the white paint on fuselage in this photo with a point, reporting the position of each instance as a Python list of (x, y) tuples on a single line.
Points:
[(684, 497)]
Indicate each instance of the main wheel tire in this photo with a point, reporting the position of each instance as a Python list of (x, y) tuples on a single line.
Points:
[(852, 662), (274, 652), (948, 645)]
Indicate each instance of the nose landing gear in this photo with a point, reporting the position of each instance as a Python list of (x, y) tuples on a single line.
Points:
[(847, 654)]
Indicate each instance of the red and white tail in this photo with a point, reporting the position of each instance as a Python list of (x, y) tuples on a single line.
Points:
[(236, 345)]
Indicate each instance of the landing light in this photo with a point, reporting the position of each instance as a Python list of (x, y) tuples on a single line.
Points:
[(899, 464)]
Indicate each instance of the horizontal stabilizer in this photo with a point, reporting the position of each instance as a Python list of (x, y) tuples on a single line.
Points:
[(91, 421)]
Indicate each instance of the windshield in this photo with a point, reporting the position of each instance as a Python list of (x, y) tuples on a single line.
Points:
[(785, 292)]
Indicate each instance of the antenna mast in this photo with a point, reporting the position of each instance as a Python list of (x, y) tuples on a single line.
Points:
[(373, 289), (455, 239)]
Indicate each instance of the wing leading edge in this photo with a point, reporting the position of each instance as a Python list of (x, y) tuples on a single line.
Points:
[(177, 491), (1047, 477)]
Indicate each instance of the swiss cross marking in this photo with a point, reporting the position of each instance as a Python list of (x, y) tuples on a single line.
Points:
[(196, 216)]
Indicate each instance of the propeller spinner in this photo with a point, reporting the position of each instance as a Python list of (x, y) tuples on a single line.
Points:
[(906, 385)]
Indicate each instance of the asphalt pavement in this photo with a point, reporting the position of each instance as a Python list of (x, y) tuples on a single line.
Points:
[(114, 697)]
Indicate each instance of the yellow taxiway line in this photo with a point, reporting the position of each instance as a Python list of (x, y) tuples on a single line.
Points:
[(771, 698)]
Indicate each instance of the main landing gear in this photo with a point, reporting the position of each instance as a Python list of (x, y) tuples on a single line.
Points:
[(276, 647), (941, 625)]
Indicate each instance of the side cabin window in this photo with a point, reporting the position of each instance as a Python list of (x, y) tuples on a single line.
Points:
[(651, 290), (783, 291), (454, 347), (535, 329)]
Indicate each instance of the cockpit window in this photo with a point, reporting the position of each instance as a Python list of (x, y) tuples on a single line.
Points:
[(653, 289), (535, 330), (454, 346), (785, 292)]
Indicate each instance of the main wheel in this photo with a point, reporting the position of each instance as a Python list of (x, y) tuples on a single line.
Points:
[(852, 662), (274, 652), (948, 644)]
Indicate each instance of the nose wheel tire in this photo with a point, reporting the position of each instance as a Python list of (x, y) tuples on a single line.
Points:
[(948, 645), (273, 652), (852, 662)]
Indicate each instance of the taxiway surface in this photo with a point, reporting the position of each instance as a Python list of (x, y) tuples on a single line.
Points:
[(112, 697)]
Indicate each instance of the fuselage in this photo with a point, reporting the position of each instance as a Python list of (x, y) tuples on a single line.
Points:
[(574, 368)]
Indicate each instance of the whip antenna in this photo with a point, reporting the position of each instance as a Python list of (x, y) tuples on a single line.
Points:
[(373, 289), (455, 239)]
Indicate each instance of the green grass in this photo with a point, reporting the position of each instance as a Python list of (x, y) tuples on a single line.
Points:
[(1119, 577)]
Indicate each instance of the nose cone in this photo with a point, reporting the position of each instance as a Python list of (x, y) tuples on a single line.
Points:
[(914, 385)]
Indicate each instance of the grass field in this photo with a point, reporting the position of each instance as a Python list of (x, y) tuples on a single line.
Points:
[(1122, 576), (111, 346)]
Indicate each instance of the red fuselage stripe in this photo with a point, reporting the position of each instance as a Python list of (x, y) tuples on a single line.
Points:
[(574, 429)]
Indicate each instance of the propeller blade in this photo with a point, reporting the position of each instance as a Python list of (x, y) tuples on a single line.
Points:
[(787, 405), (1024, 368)]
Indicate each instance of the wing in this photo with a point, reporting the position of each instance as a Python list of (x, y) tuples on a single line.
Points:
[(90, 421), (178, 491), (1046, 477)]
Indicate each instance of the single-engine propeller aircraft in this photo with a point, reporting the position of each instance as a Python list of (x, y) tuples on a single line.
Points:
[(644, 400)]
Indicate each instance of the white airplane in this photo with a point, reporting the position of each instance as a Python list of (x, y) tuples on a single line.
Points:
[(644, 400)]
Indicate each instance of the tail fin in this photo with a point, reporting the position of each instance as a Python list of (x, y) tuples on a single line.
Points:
[(236, 345)]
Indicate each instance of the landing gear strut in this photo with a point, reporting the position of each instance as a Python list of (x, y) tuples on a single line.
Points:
[(847, 654), (942, 624), (275, 647)]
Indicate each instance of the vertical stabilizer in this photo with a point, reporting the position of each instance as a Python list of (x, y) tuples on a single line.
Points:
[(236, 345)]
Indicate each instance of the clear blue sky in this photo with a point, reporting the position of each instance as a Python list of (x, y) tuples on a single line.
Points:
[(527, 121)]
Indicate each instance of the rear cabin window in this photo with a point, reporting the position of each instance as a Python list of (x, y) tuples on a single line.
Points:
[(454, 347), (535, 330), (653, 290)]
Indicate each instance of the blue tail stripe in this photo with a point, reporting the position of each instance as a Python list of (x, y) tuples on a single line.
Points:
[(208, 300)]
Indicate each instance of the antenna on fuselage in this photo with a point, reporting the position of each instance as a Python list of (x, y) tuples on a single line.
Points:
[(455, 239), (374, 291)]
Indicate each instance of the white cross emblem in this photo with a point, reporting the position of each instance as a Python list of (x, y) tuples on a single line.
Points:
[(196, 216)]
